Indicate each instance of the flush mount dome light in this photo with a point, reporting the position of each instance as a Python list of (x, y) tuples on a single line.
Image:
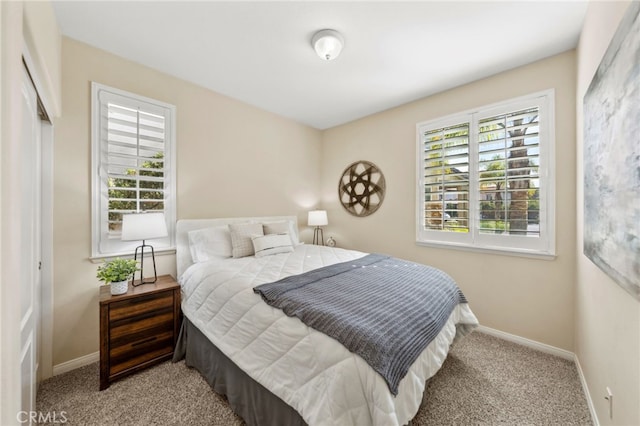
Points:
[(327, 44)]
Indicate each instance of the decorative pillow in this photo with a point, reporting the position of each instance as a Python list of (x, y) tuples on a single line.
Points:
[(281, 227), (210, 243), (241, 234), (265, 245)]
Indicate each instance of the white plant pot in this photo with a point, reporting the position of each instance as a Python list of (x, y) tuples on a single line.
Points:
[(120, 287)]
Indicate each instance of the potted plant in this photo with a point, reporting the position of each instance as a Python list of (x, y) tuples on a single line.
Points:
[(117, 273)]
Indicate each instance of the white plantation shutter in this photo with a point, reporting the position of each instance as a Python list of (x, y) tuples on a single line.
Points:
[(508, 166), (446, 178), (133, 165), (133, 162), (486, 178)]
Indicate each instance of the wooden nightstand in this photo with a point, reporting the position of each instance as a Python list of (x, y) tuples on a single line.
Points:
[(137, 329)]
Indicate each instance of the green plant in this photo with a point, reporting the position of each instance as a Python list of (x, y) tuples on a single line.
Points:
[(116, 270)]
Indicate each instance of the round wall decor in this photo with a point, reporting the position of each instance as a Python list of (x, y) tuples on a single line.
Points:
[(361, 188)]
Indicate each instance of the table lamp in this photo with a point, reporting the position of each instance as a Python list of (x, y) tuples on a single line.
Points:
[(143, 226), (318, 218)]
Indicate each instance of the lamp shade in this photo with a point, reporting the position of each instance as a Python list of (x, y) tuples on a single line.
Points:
[(143, 226), (317, 218), (327, 44)]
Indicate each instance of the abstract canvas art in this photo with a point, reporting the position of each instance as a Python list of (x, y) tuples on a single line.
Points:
[(612, 158)]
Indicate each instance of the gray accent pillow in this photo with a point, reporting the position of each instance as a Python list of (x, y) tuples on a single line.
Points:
[(241, 233)]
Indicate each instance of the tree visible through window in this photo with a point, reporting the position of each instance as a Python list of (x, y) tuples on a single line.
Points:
[(132, 195), (508, 161)]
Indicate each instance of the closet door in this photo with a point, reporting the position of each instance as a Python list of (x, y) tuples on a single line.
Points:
[(30, 237)]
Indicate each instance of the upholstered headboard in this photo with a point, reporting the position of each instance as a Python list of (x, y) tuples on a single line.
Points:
[(183, 254)]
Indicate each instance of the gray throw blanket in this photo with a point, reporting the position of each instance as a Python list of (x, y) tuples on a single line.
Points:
[(386, 310)]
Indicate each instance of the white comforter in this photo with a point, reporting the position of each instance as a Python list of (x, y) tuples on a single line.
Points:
[(316, 375)]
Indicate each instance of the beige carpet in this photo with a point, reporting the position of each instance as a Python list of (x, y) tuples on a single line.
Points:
[(484, 381)]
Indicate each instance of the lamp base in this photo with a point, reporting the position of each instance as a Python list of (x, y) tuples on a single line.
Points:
[(318, 236), (153, 257)]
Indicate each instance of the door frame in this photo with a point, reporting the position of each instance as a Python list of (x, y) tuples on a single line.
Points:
[(10, 117), (45, 363), (46, 277)]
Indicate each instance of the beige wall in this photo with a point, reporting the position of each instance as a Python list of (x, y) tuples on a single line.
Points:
[(607, 320), (527, 297), (232, 160)]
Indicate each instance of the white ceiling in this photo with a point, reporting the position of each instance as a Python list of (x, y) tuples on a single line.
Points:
[(260, 52)]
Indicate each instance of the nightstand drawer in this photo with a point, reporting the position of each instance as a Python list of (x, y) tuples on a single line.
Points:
[(140, 306), (135, 329), (137, 352)]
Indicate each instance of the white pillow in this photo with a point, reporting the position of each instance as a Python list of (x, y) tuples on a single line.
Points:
[(241, 234), (282, 226), (210, 243), (265, 245)]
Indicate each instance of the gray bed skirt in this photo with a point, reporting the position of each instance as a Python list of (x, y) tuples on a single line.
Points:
[(248, 398)]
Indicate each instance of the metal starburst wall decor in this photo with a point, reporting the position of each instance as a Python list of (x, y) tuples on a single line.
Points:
[(361, 188)]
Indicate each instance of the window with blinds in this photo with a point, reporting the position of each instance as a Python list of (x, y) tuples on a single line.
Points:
[(134, 162), (486, 178), (508, 166), (133, 167), (446, 178)]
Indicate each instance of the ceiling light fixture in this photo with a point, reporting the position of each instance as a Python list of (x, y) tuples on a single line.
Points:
[(328, 44)]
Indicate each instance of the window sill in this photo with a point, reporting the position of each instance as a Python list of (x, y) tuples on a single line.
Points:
[(129, 255), (490, 250)]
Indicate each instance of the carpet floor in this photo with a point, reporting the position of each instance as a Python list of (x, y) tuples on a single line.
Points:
[(484, 381)]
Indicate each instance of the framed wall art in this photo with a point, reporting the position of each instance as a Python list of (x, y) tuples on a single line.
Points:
[(612, 158)]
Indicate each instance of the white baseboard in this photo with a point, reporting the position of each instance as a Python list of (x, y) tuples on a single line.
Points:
[(542, 347), (585, 389), (76, 363)]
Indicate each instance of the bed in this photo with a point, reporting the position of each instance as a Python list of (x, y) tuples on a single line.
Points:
[(273, 368)]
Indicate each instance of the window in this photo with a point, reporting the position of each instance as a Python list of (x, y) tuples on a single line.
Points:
[(486, 178), (133, 166)]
